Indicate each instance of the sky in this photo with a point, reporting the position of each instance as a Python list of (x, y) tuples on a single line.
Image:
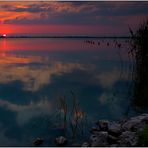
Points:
[(98, 18)]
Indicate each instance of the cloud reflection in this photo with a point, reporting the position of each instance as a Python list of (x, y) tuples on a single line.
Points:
[(34, 77), (6, 141), (108, 78), (26, 112)]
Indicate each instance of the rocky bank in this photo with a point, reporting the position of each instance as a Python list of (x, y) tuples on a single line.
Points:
[(117, 134), (106, 133)]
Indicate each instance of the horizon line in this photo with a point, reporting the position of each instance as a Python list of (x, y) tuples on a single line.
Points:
[(66, 36)]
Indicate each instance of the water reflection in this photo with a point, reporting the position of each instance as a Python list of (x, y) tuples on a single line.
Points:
[(35, 72), (26, 112)]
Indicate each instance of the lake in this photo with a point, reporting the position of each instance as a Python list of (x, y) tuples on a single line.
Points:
[(41, 80)]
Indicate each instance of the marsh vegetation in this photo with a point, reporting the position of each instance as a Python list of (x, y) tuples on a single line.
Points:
[(139, 53), (73, 118)]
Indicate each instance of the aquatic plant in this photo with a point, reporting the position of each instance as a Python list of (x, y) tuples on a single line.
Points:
[(77, 118), (139, 52), (73, 116), (63, 110)]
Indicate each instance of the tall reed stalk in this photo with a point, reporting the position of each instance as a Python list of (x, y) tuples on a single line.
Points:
[(139, 51), (64, 110), (75, 115)]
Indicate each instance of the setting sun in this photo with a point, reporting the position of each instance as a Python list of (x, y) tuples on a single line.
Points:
[(4, 35)]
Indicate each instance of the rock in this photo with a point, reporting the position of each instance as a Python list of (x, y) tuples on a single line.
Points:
[(85, 144), (61, 141), (75, 145), (123, 120), (136, 123), (114, 145), (117, 134), (127, 139), (114, 129), (144, 118), (112, 139), (94, 130), (38, 142), (103, 124), (132, 125), (99, 139)]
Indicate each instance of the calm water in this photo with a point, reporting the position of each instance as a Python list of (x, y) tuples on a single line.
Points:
[(34, 73)]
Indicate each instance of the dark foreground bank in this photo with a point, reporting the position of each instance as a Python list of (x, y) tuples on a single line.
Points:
[(128, 132)]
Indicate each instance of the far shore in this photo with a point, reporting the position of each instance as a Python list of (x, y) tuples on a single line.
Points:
[(83, 37)]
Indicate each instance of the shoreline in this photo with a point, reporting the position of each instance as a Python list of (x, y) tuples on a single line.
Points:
[(132, 132), (124, 133), (68, 37)]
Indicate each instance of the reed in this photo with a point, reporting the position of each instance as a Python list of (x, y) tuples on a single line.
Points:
[(73, 112), (139, 52), (63, 107), (77, 118)]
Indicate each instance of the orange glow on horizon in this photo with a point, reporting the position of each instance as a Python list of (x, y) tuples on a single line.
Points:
[(6, 29), (13, 29), (54, 29)]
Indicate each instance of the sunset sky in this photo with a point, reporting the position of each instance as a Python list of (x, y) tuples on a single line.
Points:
[(71, 18)]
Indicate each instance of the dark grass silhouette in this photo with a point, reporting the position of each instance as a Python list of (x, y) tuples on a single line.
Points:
[(139, 51)]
